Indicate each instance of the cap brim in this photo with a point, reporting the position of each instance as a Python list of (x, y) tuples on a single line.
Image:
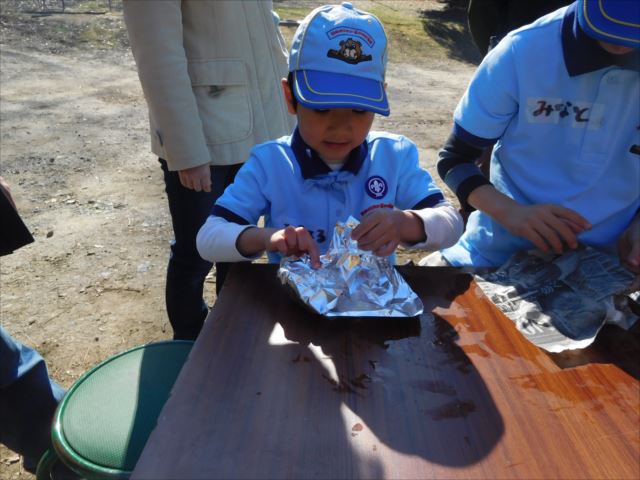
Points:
[(324, 90), (612, 22)]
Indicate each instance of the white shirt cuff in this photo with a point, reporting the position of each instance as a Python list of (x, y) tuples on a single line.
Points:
[(443, 226), (216, 241)]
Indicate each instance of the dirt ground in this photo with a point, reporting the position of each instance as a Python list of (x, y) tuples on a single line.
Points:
[(74, 147)]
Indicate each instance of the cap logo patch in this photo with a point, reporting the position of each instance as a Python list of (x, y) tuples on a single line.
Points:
[(351, 32), (350, 52), (376, 187)]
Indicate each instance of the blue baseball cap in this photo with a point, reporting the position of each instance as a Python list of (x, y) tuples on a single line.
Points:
[(338, 58), (612, 21)]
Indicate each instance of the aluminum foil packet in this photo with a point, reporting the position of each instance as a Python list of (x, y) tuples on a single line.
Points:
[(350, 282)]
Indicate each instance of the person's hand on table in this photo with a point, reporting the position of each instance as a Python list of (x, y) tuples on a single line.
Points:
[(382, 230), (293, 241), (378, 232), (548, 227), (286, 241), (629, 246), (196, 178)]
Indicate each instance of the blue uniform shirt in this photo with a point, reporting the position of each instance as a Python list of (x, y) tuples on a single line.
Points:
[(567, 123), (287, 182)]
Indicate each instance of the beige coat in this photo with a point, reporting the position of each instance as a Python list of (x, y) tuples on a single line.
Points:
[(210, 71)]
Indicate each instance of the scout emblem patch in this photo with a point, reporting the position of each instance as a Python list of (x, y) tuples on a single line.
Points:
[(376, 187)]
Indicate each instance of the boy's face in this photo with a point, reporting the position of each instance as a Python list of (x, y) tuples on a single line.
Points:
[(331, 133)]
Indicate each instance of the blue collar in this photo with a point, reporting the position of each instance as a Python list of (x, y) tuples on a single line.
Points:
[(582, 54), (312, 165)]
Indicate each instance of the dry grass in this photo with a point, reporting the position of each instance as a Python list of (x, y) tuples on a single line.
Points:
[(418, 31)]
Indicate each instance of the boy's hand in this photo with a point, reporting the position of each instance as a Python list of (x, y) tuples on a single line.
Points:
[(379, 232), (294, 241), (546, 226), (196, 178), (629, 247)]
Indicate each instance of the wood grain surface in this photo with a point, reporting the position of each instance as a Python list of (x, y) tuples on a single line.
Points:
[(273, 391)]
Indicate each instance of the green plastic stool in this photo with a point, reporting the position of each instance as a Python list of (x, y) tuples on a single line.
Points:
[(103, 422)]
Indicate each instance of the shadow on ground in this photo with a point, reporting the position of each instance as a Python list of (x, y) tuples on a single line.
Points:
[(449, 28)]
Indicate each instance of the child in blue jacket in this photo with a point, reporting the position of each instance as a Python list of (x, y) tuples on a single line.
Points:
[(332, 166), (560, 97)]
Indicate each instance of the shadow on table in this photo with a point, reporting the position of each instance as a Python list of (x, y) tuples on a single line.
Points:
[(613, 345), (377, 367)]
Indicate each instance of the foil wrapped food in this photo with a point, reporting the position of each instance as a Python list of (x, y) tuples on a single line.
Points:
[(350, 282)]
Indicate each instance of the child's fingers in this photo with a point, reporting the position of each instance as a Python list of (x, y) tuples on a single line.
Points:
[(384, 245), (277, 242), (563, 232), (534, 237), (386, 249), (575, 228), (297, 241), (369, 222), (374, 239), (549, 236), (377, 230), (291, 240), (307, 244), (572, 216), (280, 245)]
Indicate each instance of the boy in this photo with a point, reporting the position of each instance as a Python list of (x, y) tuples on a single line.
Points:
[(561, 98), (331, 167)]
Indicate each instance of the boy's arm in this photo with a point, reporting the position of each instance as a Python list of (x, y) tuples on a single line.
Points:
[(287, 241), (457, 168), (546, 226), (422, 217), (381, 231), (217, 238), (222, 241), (442, 226)]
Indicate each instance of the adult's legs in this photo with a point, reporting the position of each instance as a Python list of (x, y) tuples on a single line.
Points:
[(186, 271), (28, 400)]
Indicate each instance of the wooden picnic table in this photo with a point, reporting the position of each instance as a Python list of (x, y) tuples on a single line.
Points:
[(273, 391)]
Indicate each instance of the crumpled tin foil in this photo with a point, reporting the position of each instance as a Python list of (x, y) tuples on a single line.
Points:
[(350, 282)]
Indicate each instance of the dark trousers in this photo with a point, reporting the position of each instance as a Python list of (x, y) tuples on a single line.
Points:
[(186, 272)]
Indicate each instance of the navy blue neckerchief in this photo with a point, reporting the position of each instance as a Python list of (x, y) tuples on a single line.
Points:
[(583, 54), (312, 165)]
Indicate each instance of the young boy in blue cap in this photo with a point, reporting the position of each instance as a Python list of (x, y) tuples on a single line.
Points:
[(561, 97), (332, 166)]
